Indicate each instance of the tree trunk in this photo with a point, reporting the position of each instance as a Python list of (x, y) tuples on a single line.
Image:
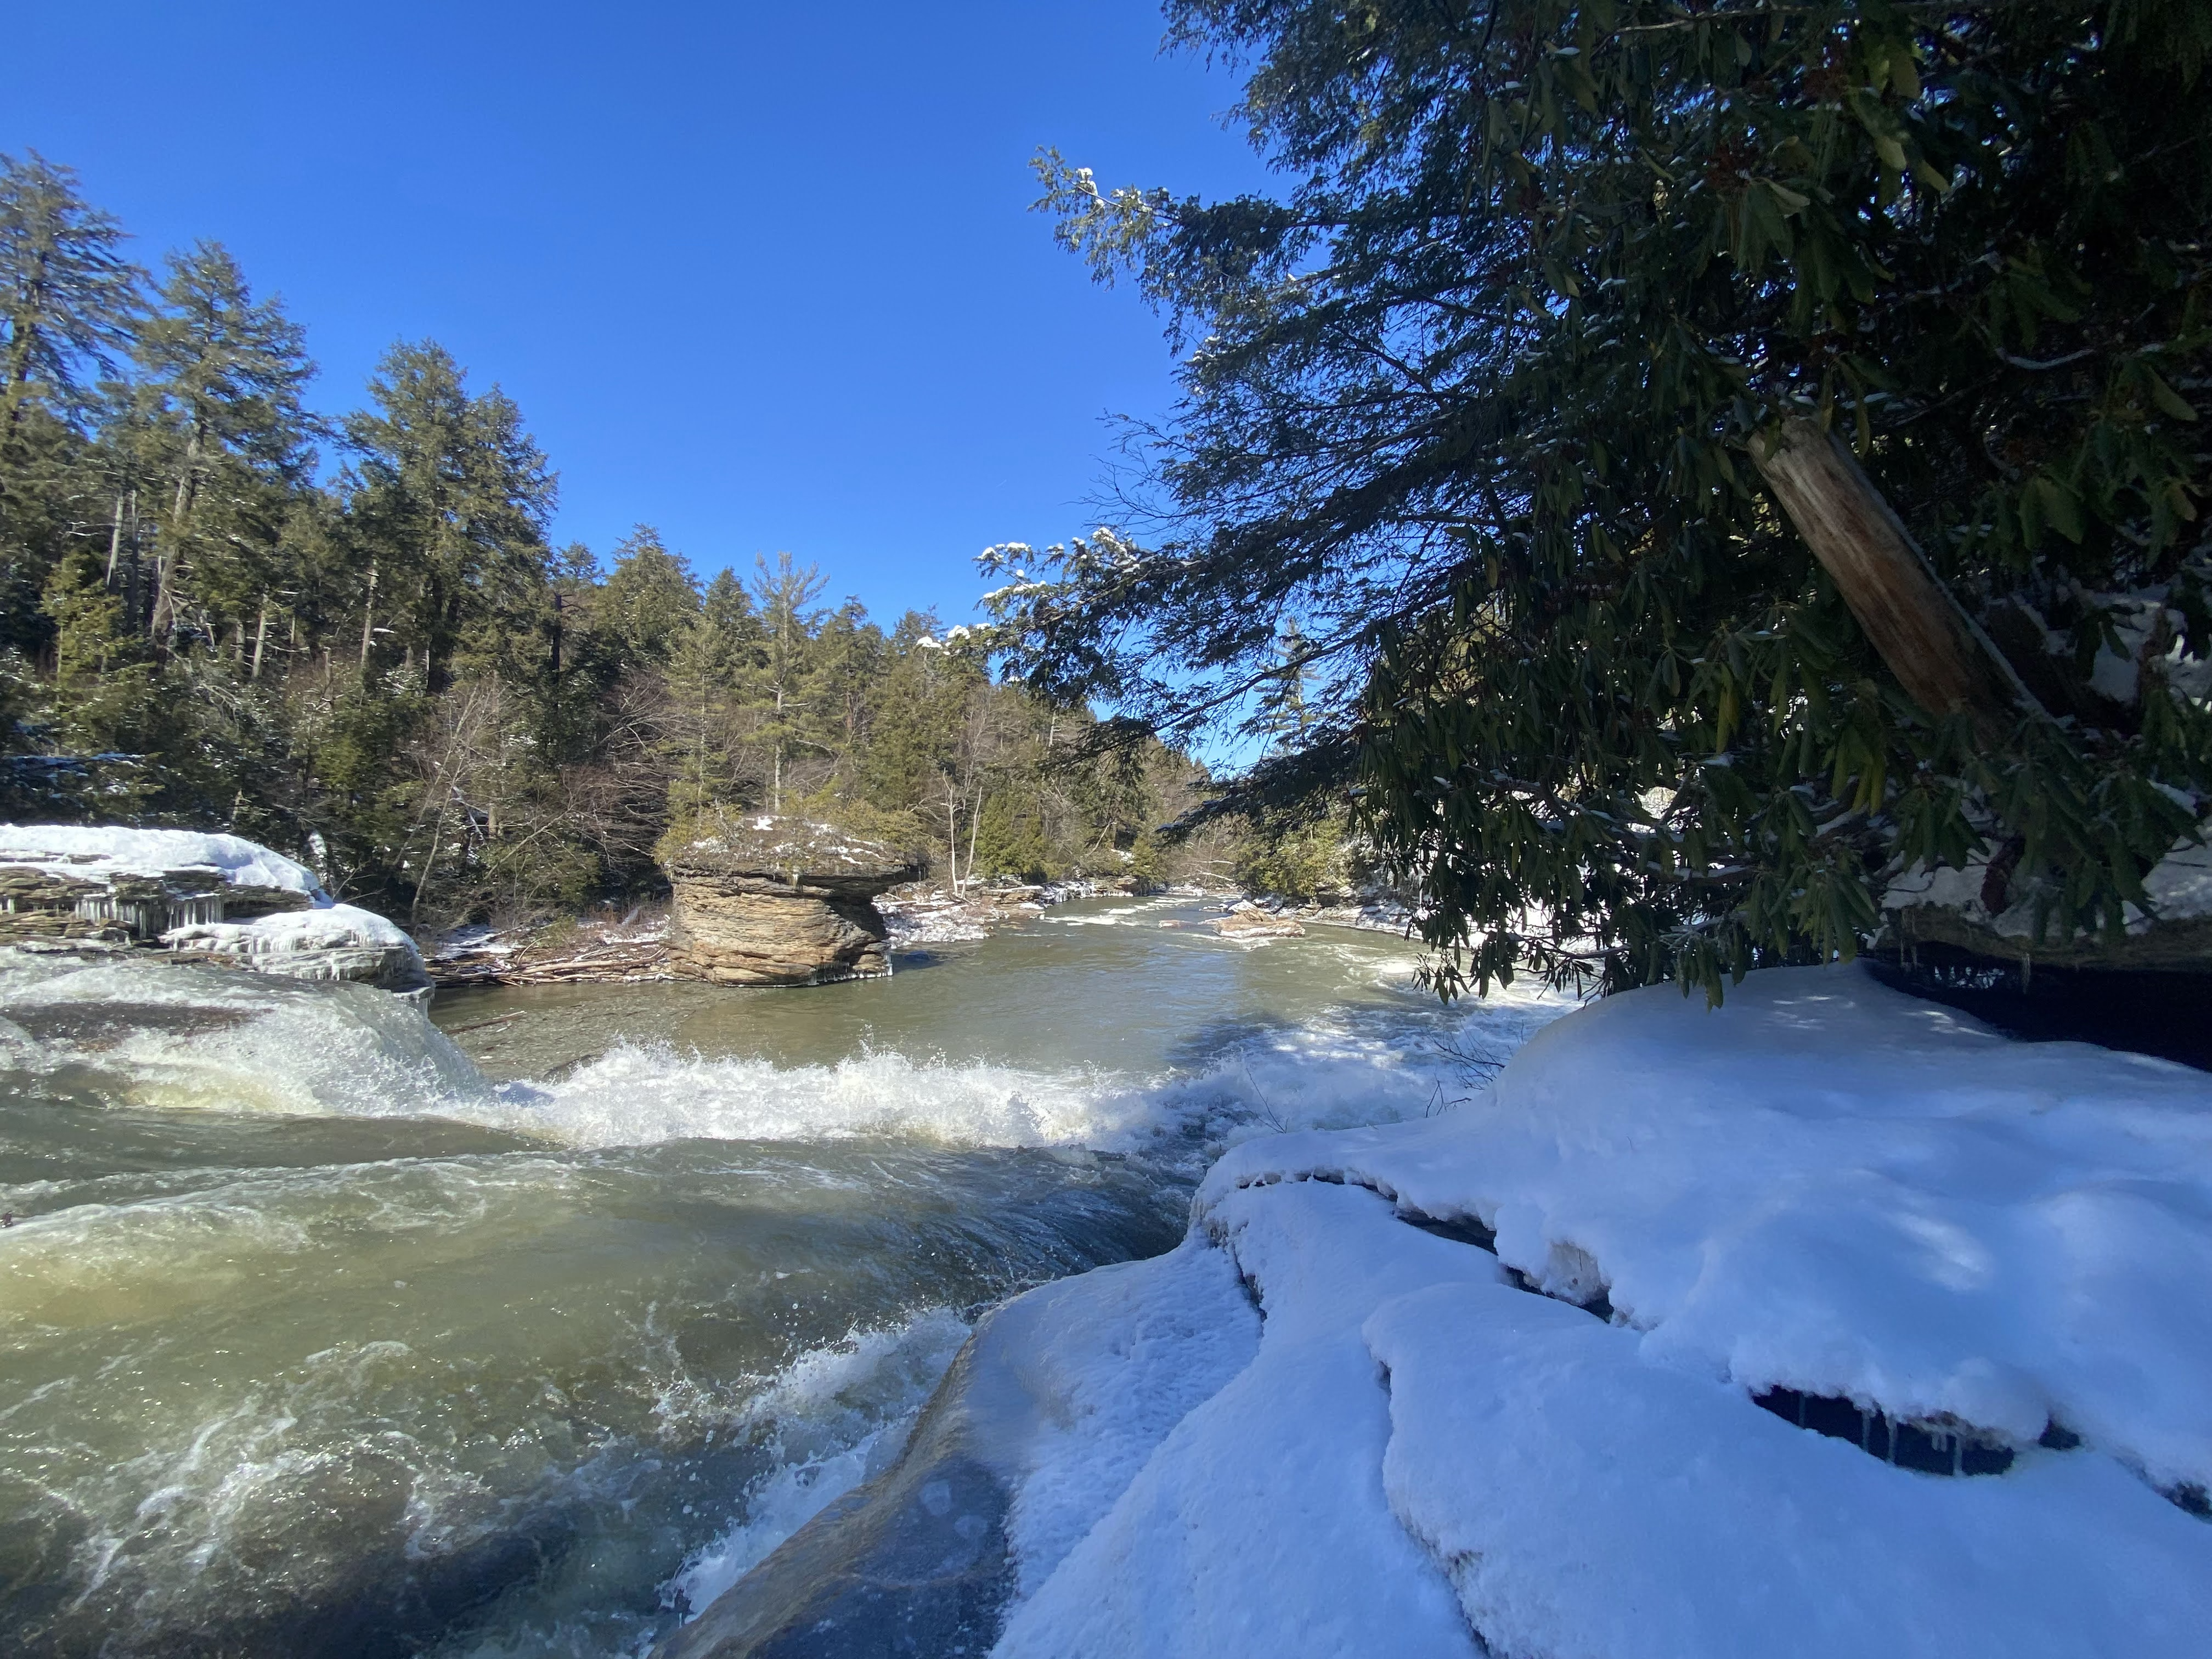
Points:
[(775, 797), (1944, 662), (367, 619), (115, 543), (134, 585), (952, 832), (260, 638)]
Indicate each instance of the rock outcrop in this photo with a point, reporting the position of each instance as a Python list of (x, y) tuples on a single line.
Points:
[(201, 897), (1249, 921), (764, 899)]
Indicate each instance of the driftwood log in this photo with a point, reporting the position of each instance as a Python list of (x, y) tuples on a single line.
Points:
[(1945, 662)]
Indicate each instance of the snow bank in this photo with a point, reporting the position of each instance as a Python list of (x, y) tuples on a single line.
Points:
[(1554, 1449), (317, 939), (1835, 1188), (102, 853)]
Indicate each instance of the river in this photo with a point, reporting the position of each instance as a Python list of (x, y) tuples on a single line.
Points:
[(322, 1334)]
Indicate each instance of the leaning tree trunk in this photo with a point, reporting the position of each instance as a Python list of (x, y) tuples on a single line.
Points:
[(1944, 662)]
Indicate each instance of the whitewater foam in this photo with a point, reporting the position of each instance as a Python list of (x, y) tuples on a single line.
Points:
[(238, 1042), (181, 1036), (1327, 1074)]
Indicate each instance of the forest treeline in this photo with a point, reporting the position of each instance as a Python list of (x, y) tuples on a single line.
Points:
[(354, 641)]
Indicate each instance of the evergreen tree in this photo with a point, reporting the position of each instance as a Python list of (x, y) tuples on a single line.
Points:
[(651, 598), (449, 500), (103, 689), (706, 668), (784, 593), (222, 376), (68, 297), (1587, 392), (1286, 718), (68, 302)]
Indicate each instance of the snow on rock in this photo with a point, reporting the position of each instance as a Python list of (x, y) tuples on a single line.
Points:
[(103, 852), (1586, 1501), (778, 900), (335, 942), (337, 926), (1258, 1526), (1953, 907), (216, 894), (1825, 1186)]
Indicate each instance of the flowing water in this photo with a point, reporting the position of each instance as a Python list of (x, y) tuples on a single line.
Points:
[(322, 1333)]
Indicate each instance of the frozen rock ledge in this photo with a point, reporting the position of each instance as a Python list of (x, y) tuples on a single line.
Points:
[(762, 899), (1490, 1384), (212, 897)]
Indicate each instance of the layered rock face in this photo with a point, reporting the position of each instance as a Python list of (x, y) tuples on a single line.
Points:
[(777, 900)]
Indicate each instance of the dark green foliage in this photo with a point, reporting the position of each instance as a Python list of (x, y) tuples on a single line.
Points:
[(1474, 405), (68, 297)]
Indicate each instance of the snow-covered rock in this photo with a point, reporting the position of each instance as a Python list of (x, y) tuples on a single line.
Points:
[(103, 852), (1506, 1396), (332, 941), (218, 896)]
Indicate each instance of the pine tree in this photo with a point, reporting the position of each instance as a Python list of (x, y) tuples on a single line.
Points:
[(222, 378), (104, 693), (784, 593), (68, 297), (1286, 718), (650, 598), (68, 301), (449, 499), (706, 666)]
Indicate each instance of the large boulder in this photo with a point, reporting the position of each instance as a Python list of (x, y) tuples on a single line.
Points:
[(771, 899), (208, 897)]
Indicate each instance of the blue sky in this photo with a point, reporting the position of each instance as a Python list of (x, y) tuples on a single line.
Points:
[(761, 276)]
